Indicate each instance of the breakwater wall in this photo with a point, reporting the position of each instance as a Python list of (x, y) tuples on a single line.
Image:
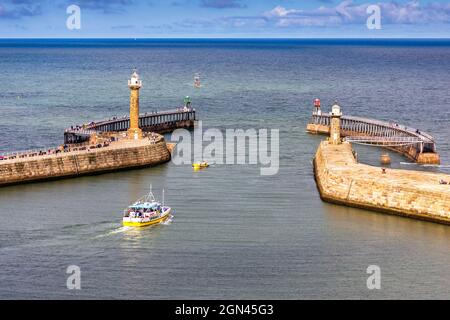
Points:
[(124, 154), (342, 180)]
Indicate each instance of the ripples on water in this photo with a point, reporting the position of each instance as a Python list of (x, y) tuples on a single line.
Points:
[(235, 234)]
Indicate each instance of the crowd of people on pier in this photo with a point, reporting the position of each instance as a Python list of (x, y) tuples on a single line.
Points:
[(65, 148)]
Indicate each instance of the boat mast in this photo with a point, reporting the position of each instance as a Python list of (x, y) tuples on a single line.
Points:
[(150, 196)]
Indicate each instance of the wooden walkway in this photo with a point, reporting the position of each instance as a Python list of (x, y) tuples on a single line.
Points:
[(413, 143), (159, 122)]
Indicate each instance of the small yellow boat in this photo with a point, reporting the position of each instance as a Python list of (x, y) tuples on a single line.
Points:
[(200, 165), (145, 212)]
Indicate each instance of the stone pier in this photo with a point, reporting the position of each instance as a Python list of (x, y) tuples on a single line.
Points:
[(342, 180), (119, 155), (98, 147)]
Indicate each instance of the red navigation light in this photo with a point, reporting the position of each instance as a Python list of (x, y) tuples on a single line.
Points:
[(317, 103)]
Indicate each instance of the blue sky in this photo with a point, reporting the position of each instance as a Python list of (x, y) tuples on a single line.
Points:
[(225, 18)]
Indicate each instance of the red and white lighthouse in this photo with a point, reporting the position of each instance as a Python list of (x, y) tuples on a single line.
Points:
[(317, 106)]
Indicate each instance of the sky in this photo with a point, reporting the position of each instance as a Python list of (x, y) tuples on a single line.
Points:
[(224, 19)]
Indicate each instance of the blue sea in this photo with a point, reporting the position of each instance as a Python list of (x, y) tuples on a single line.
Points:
[(235, 234)]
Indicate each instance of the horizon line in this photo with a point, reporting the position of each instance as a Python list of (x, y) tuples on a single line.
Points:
[(227, 38)]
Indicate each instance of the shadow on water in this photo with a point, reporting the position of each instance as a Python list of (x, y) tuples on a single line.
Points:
[(359, 223)]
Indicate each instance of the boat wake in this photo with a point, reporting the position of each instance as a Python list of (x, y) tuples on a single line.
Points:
[(124, 229), (113, 232)]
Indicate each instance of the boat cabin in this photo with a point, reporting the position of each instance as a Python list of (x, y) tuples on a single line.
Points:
[(143, 209)]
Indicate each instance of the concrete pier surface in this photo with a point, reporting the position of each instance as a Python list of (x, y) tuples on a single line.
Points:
[(342, 180), (85, 160)]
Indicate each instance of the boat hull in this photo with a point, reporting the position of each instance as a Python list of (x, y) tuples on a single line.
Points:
[(129, 223)]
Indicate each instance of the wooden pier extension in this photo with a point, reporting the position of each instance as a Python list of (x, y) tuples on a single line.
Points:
[(160, 122), (412, 143)]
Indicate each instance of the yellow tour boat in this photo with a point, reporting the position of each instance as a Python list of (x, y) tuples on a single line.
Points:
[(200, 165), (145, 212)]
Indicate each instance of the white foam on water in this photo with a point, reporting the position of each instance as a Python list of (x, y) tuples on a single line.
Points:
[(124, 229), (120, 230), (168, 220), (114, 231), (436, 165), (442, 166)]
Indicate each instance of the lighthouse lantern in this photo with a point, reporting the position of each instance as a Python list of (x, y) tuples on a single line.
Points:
[(317, 106), (317, 103), (135, 81)]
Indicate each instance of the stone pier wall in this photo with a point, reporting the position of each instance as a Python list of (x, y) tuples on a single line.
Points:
[(341, 180), (122, 155)]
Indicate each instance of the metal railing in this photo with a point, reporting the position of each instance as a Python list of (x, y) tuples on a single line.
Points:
[(384, 141), (374, 127), (93, 126)]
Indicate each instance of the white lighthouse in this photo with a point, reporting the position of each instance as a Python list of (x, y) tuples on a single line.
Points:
[(335, 128)]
